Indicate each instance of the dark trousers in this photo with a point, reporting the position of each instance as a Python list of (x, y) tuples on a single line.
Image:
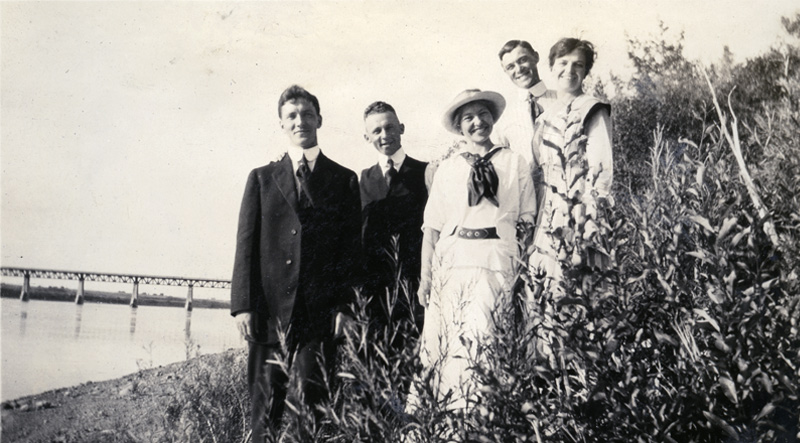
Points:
[(403, 317), (268, 381)]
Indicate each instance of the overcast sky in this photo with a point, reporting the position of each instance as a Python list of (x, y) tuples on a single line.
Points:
[(127, 130)]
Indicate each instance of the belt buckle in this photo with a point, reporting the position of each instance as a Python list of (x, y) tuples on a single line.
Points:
[(473, 234)]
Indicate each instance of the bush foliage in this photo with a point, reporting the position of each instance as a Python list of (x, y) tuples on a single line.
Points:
[(690, 335)]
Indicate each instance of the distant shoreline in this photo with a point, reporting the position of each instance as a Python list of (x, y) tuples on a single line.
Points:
[(121, 298)]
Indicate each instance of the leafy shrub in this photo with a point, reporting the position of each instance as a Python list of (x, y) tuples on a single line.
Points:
[(689, 337), (664, 91)]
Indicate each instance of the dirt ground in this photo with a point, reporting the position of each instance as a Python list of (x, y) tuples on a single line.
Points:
[(127, 409)]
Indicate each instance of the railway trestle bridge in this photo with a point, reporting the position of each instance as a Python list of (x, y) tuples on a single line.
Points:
[(81, 276)]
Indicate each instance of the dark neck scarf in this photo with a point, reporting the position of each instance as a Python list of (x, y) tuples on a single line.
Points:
[(483, 180)]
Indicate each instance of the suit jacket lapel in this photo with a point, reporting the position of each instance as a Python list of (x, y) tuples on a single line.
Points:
[(320, 177), (284, 179), (398, 183), (377, 181), (405, 168)]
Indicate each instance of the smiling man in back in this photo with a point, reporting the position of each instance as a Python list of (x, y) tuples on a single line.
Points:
[(515, 130), (297, 258)]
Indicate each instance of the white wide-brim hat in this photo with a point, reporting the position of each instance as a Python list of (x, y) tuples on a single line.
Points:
[(496, 101)]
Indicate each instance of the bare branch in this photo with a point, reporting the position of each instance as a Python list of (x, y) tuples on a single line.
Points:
[(736, 147)]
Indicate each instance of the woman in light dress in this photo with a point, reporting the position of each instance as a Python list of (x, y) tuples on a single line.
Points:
[(470, 250), (572, 141)]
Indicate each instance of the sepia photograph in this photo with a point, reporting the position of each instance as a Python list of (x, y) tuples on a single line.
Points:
[(400, 221)]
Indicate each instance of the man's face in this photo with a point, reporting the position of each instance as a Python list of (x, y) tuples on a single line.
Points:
[(520, 65), (300, 121), (383, 131)]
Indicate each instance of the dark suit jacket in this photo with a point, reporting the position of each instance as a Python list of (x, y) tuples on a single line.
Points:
[(291, 262), (388, 212)]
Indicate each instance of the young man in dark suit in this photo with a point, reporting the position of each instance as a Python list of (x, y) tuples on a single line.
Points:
[(297, 258), (393, 197)]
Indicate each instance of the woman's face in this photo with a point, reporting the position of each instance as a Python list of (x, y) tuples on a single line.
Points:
[(569, 71), (476, 122)]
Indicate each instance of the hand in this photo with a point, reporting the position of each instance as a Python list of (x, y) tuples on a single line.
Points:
[(424, 292), (244, 321), (430, 237), (341, 324)]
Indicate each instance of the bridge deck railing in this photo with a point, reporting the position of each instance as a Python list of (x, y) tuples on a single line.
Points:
[(81, 277), (115, 278)]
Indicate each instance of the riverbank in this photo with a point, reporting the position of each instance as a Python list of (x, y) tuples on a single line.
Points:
[(134, 408), (68, 295)]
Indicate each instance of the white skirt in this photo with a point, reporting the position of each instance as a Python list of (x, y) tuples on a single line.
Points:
[(458, 318)]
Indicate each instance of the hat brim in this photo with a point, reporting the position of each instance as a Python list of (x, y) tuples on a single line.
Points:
[(496, 100)]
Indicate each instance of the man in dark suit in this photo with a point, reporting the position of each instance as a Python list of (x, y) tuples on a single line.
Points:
[(393, 197), (297, 258)]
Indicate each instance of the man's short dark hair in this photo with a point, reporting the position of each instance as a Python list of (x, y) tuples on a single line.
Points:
[(378, 108), (567, 45), (513, 44), (295, 92)]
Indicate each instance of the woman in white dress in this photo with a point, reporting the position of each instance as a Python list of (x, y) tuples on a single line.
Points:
[(470, 251)]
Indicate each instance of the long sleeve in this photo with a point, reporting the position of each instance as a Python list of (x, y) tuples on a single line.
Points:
[(352, 232), (527, 194), (599, 152), (245, 268), (435, 216), (346, 259)]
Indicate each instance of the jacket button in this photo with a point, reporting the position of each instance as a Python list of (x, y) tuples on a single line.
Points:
[(289, 262), (294, 231)]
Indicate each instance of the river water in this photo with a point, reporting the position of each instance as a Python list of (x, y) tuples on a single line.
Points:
[(48, 345)]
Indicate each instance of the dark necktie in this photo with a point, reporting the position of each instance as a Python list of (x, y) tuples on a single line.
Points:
[(483, 181), (536, 108), (391, 173), (303, 174)]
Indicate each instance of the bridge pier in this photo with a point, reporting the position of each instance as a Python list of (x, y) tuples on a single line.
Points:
[(79, 295), (135, 294), (24, 295), (189, 297)]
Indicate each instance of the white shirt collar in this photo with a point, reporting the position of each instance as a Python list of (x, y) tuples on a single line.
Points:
[(296, 154), (537, 90), (469, 148), (398, 158)]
